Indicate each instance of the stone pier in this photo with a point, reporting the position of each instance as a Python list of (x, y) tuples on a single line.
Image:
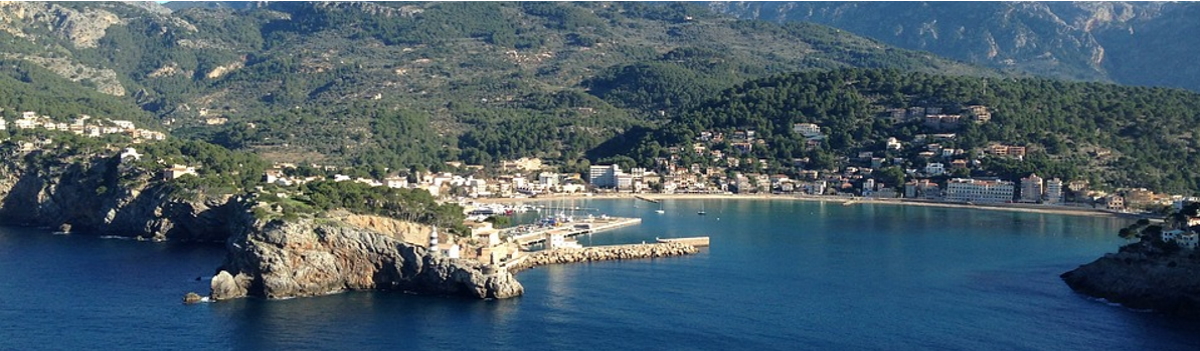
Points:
[(602, 253)]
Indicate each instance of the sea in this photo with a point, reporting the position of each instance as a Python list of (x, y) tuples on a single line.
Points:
[(780, 275)]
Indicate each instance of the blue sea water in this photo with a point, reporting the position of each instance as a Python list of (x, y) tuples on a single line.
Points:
[(781, 275)]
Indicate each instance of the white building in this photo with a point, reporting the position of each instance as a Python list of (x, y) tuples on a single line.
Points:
[(1169, 235), (1031, 189), (25, 123), (131, 152), (935, 169), (1188, 240), (978, 190), (123, 124), (893, 144), (604, 176), (177, 171), (396, 182), (808, 130), (1054, 193), (560, 241), (549, 179)]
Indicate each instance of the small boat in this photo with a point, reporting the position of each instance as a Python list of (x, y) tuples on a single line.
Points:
[(701, 212), (660, 209)]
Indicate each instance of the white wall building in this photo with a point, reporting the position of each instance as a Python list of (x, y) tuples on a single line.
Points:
[(1031, 189), (1188, 240), (935, 169), (893, 144), (604, 176), (807, 129), (1054, 191), (978, 190)]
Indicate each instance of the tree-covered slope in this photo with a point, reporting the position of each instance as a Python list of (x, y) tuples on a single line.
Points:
[(402, 85), (1110, 134)]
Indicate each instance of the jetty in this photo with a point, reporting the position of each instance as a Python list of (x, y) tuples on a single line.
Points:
[(526, 236), (601, 253), (697, 241), (646, 199)]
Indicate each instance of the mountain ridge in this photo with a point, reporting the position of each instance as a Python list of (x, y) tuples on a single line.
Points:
[(1091, 41)]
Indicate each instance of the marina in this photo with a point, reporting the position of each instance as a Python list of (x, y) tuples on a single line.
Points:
[(530, 235)]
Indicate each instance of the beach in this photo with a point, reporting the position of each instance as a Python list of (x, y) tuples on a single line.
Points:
[(848, 201)]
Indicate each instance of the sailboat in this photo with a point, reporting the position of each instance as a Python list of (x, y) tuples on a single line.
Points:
[(660, 208), (701, 212)]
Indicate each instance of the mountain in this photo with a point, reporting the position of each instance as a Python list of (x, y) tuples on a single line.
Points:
[(399, 85), (1135, 43)]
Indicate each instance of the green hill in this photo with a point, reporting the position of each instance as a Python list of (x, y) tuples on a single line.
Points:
[(1109, 134), (401, 85)]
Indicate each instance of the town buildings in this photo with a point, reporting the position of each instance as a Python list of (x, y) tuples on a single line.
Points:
[(979, 190), (1031, 189)]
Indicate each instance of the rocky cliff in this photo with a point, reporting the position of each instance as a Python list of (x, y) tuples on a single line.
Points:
[(1167, 283), (101, 195), (311, 257)]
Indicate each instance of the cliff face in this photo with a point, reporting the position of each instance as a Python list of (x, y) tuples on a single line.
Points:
[(318, 257), (99, 196), (1165, 283)]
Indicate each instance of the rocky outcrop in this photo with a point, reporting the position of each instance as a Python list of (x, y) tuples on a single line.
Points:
[(103, 79), (1167, 283), (83, 28), (311, 257), (102, 196), (604, 253)]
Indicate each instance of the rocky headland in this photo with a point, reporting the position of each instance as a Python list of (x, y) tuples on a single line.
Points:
[(268, 257), (310, 257), (1143, 276), (105, 195)]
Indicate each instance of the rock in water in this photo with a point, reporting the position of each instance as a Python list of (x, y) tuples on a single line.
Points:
[(316, 257), (191, 298), (225, 287)]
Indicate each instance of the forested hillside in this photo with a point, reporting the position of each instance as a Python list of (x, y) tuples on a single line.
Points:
[(1109, 134), (394, 86), (402, 85)]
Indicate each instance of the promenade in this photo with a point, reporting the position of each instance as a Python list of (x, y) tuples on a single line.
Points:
[(850, 201)]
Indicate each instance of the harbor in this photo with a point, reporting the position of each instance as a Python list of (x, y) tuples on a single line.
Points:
[(565, 228)]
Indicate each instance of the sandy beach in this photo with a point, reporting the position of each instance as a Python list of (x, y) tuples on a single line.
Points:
[(848, 201)]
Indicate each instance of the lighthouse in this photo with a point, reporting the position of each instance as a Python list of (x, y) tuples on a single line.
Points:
[(433, 241)]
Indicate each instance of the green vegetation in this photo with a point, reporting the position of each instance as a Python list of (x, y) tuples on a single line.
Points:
[(406, 204), (1144, 135), (27, 87), (386, 88), (411, 85)]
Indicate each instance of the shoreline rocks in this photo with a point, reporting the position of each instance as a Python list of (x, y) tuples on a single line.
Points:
[(102, 196), (1165, 283), (318, 257)]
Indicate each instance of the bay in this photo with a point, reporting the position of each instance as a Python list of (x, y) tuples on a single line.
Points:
[(781, 275)]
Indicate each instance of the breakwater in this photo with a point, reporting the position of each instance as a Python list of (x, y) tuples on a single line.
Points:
[(569, 229), (602, 253)]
